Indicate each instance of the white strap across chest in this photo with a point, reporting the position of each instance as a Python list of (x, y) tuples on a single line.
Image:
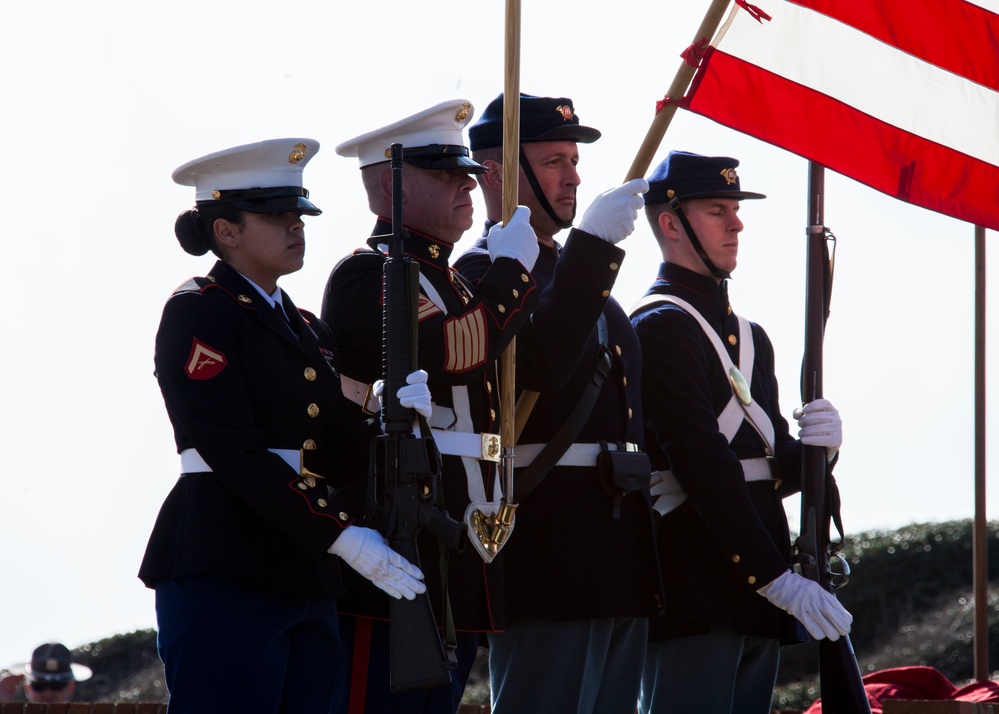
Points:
[(462, 421), (735, 412)]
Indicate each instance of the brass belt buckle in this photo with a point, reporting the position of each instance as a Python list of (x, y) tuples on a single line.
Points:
[(490, 447), (772, 463)]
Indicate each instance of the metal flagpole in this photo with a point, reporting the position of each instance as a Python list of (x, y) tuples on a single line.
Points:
[(980, 556)]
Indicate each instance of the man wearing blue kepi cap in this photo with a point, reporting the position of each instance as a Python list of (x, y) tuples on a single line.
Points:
[(577, 618), (461, 332), (726, 460)]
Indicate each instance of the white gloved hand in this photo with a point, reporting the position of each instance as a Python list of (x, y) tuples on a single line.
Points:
[(820, 425), (367, 552), (515, 240), (811, 604), (415, 395), (612, 214)]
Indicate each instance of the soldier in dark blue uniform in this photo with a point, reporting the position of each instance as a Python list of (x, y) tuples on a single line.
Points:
[(715, 433), (580, 567), (461, 333), (242, 556)]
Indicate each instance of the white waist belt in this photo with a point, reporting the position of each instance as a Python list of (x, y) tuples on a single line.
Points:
[(575, 455), (669, 495), (469, 444), (191, 461), (359, 393)]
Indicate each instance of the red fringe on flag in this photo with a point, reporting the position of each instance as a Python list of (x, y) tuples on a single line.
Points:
[(693, 54), (665, 102), (754, 11)]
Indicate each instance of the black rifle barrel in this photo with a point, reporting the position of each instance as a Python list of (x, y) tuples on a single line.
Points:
[(841, 687), (417, 657)]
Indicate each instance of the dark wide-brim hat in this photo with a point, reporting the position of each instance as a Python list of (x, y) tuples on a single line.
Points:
[(541, 119), (52, 662), (682, 176), (265, 177)]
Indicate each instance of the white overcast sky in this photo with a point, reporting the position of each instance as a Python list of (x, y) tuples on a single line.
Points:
[(102, 100)]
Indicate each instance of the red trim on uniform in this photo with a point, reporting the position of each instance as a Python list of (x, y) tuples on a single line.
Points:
[(215, 286), (502, 319), (426, 308), (293, 485), (359, 666)]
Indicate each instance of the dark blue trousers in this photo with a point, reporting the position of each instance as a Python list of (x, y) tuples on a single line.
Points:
[(720, 672), (568, 667), (228, 648), (363, 685)]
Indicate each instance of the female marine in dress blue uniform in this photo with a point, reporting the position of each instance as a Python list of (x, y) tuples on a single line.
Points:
[(243, 553)]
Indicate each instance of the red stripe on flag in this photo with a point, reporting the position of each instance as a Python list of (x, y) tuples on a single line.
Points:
[(813, 125), (954, 35)]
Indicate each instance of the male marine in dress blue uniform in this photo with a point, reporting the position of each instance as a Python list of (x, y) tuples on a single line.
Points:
[(461, 333), (716, 436), (580, 569)]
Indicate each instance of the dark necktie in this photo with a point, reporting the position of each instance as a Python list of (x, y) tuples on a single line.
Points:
[(284, 318)]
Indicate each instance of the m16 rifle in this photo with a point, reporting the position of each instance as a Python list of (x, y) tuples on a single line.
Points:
[(402, 496)]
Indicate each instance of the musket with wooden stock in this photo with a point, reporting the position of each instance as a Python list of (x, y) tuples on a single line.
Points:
[(841, 687)]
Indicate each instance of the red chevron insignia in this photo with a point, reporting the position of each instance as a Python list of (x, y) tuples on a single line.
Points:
[(204, 362)]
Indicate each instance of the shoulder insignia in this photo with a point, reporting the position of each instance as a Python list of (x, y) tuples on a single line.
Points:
[(204, 362), (426, 308)]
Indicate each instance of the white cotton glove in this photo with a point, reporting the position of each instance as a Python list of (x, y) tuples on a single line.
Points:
[(820, 425), (415, 395), (811, 604), (612, 214), (515, 240), (367, 552)]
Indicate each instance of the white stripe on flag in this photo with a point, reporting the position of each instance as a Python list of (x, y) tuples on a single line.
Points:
[(990, 5), (830, 57)]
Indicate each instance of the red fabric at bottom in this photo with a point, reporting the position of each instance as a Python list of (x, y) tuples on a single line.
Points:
[(917, 683), (359, 668)]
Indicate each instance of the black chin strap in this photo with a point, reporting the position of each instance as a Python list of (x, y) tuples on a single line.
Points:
[(720, 274), (542, 199)]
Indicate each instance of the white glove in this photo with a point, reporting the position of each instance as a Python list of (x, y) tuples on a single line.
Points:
[(811, 604), (515, 240), (415, 395), (612, 214), (820, 425), (367, 552)]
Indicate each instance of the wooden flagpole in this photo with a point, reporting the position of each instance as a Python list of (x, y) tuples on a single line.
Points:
[(511, 176), (654, 137), (511, 167)]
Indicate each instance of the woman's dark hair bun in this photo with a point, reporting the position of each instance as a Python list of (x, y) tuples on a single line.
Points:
[(190, 233)]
